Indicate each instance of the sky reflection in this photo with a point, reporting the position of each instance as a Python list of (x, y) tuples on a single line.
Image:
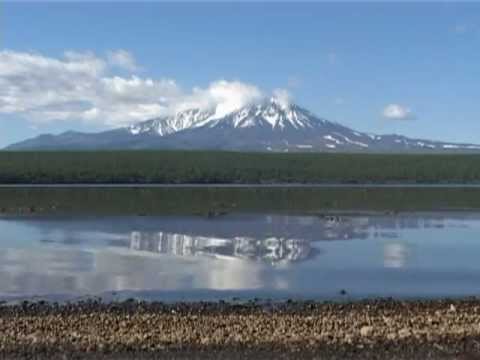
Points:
[(308, 256)]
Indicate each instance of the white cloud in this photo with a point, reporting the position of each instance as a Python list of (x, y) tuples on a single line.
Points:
[(223, 96), (397, 112), (82, 86), (282, 97), (123, 59)]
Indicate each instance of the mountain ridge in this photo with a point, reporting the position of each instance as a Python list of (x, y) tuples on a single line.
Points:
[(271, 125)]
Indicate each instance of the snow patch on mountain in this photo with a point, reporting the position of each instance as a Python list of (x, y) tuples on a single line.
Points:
[(171, 124), (275, 113)]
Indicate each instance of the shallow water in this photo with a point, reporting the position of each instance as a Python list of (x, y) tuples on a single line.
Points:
[(245, 256)]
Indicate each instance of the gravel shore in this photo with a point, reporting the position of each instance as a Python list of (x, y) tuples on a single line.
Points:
[(383, 329)]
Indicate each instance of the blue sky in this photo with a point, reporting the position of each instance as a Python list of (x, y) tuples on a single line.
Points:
[(347, 62)]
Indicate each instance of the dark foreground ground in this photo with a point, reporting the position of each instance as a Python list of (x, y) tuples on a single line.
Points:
[(364, 330)]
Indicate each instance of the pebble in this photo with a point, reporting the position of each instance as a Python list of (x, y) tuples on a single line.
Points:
[(377, 329), (366, 331)]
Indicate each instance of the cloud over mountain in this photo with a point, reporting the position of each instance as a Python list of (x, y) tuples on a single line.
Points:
[(84, 86)]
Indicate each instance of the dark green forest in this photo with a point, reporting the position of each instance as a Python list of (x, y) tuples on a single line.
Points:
[(208, 167), (213, 202)]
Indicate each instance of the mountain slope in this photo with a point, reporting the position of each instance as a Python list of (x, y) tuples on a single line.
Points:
[(269, 126)]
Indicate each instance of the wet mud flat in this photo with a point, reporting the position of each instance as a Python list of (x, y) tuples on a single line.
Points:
[(381, 329)]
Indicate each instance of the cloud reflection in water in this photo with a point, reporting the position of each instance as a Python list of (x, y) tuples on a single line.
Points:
[(265, 252)]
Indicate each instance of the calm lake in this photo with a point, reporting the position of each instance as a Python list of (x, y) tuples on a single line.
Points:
[(245, 256)]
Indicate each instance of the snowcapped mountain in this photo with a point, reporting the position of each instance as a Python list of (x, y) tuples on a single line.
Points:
[(268, 114), (272, 125)]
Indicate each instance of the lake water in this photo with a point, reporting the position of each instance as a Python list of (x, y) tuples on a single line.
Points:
[(244, 256)]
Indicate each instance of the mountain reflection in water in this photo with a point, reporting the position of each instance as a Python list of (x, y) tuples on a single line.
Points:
[(272, 249), (295, 254)]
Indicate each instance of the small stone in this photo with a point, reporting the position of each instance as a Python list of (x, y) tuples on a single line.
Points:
[(366, 331), (348, 339), (403, 333)]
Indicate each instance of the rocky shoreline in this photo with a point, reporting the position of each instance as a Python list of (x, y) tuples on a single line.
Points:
[(381, 329)]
